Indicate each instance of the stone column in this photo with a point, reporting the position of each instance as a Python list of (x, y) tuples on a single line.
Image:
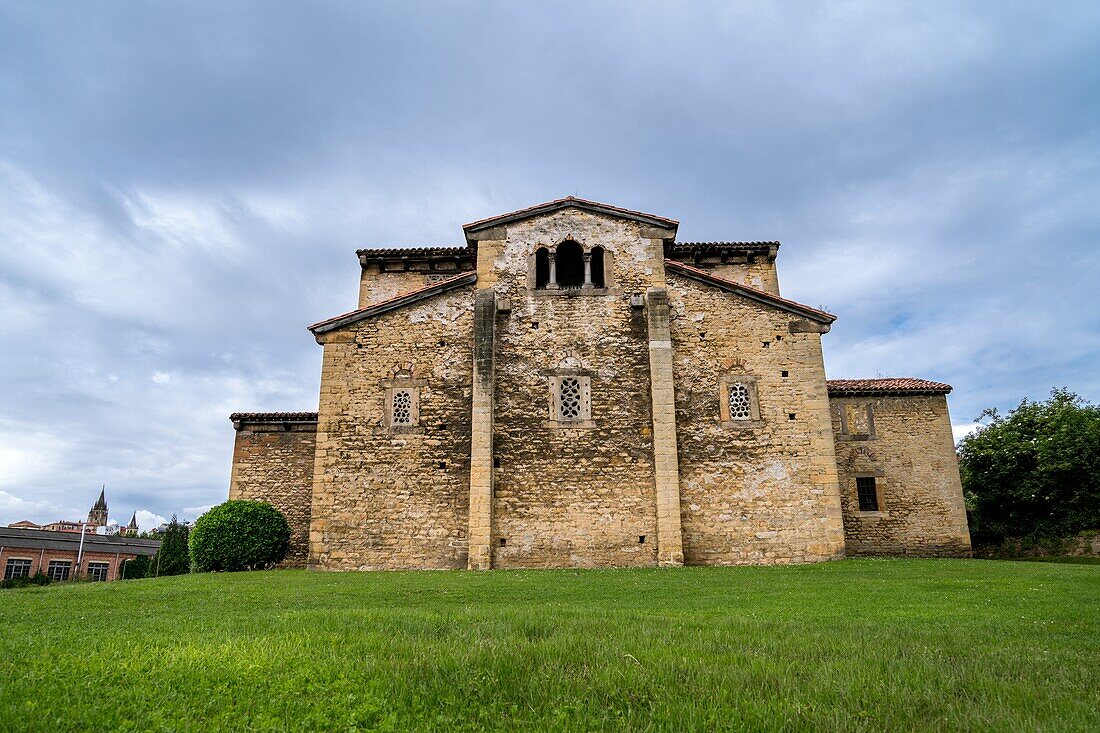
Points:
[(481, 442), (552, 283), (666, 465), (587, 269)]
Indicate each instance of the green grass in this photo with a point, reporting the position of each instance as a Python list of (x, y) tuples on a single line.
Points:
[(857, 645)]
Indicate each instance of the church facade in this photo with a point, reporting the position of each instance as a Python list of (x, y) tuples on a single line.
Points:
[(575, 388)]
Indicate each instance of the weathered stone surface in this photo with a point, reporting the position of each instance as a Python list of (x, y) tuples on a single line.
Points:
[(759, 491), (385, 499), (273, 462), (911, 455), (581, 496), (699, 429)]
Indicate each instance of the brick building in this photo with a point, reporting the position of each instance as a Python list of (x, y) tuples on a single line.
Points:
[(574, 387), (26, 552)]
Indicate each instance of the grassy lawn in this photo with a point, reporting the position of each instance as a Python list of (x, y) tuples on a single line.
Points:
[(855, 645)]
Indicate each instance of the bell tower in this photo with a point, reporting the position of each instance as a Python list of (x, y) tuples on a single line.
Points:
[(98, 515)]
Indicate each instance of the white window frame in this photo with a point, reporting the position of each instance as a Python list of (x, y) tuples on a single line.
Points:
[(99, 567), (10, 565), (68, 565)]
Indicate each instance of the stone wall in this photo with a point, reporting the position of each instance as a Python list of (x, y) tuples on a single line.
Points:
[(376, 286), (273, 462), (907, 446), (386, 498), (761, 274), (762, 490), (573, 496)]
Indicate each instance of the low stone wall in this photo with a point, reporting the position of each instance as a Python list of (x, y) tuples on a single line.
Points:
[(273, 462), (1086, 544)]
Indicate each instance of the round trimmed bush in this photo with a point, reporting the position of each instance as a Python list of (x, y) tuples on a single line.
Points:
[(239, 535)]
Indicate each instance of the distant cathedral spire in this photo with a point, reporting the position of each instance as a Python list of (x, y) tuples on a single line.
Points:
[(98, 515), (132, 527)]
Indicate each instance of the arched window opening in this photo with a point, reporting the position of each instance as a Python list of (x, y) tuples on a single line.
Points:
[(597, 268), (570, 265), (542, 268)]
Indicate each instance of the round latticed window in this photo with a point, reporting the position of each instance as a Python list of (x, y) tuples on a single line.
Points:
[(740, 404), (569, 399), (402, 407)]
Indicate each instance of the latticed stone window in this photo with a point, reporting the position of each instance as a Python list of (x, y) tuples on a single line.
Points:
[(569, 398), (402, 407), (740, 402), (738, 405), (571, 403), (402, 410)]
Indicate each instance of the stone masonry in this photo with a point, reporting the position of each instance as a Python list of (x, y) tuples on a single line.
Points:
[(273, 461), (574, 388)]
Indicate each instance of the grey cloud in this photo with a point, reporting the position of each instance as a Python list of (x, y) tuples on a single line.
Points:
[(183, 186)]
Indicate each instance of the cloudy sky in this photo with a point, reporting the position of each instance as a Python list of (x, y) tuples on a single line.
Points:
[(183, 187)]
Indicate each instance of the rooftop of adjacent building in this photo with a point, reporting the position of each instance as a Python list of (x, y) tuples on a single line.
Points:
[(43, 539)]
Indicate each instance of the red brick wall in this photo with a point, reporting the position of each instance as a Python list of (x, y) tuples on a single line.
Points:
[(40, 560)]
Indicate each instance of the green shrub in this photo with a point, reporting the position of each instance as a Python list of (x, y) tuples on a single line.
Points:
[(38, 578), (239, 535)]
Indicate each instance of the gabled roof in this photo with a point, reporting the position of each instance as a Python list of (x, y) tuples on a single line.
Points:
[(398, 301), (760, 296), (570, 202), (885, 386)]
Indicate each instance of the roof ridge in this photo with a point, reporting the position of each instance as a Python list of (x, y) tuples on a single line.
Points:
[(755, 293), (563, 203)]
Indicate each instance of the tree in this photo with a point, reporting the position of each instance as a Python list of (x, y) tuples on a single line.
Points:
[(139, 567), (240, 535), (1036, 472), (172, 558)]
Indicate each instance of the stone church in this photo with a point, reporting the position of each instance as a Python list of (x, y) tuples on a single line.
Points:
[(575, 388)]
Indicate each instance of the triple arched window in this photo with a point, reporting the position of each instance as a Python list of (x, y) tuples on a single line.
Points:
[(569, 267)]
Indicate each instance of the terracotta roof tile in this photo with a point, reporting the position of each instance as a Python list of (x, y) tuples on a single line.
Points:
[(889, 385), (457, 251), (274, 416)]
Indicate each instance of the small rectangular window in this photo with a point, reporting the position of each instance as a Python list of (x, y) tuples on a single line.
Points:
[(97, 571), (59, 570), (867, 492), (17, 568)]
